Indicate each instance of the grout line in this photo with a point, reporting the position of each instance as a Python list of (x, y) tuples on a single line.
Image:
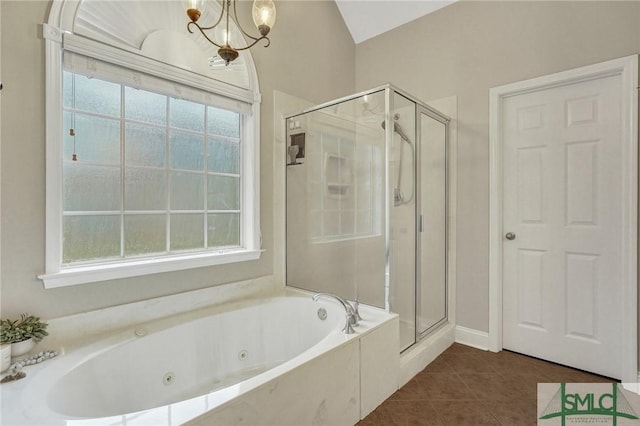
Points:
[(543, 371)]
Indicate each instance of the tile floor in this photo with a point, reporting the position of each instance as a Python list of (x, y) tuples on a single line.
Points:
[(467, 386)]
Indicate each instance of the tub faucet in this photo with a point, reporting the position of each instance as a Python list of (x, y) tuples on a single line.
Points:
[(350, 319), (356, 312)]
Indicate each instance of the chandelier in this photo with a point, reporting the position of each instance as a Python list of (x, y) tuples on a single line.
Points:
[(264, 15)]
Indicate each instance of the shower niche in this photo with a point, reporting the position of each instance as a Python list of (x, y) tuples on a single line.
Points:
[(366, 206)]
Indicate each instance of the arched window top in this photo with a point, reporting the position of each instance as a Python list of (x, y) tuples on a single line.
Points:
[(155, 30)]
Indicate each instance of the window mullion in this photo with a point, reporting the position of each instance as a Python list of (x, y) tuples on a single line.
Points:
[(122, 167), (168, 175), (242, 217), (206, 177), (339, 178), (323, 177)]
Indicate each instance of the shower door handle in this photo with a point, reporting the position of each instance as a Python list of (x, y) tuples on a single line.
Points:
[(510, 236)]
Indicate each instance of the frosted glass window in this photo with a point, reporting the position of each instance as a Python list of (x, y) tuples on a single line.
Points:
[(96, 139), (186, 231), (223, 123), (187, 151), (224, 155), (224, 193), (91, 237), (145, 145), (67, 90), (91, 95), (224, 229), (145, 234), (187, 115), (165, 170), (148, 107), (91, 188), (137, 195), (187, 191)]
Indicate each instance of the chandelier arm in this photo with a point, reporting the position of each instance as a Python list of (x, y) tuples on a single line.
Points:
[(217, 22), (268, 42), (201, 29)]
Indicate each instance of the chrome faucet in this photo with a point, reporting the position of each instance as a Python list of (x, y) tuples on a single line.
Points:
[(351, 318), (356, 312)]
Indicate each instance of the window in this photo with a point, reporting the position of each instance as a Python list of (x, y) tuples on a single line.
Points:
[(146, 174), (150, 168)]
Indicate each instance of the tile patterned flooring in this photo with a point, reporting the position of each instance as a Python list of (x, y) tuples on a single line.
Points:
[(467, 386)]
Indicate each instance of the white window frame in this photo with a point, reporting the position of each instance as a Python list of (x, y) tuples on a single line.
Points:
[(57, 275)]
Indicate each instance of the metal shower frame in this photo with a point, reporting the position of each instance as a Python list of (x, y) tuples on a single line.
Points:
[(420, 108)]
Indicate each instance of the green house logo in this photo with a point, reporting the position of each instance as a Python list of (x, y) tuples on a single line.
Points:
[(586, 405)]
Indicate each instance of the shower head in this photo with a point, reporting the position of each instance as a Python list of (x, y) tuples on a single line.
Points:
[(397, 129)]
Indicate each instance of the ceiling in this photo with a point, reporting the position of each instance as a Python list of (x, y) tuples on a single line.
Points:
[(369, 18)]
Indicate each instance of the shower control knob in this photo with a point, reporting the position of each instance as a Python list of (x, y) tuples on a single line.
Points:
[(510, 236)]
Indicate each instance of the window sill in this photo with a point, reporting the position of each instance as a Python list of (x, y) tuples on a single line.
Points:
[(90, 274)]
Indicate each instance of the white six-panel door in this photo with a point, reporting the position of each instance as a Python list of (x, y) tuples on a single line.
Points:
[(562, 203)]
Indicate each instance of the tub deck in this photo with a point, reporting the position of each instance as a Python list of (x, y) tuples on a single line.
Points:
[(337, 380)]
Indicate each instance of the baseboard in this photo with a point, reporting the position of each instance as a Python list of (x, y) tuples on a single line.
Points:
[(471, 337)]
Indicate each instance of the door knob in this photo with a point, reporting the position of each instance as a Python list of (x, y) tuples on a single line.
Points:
[(510, 236)]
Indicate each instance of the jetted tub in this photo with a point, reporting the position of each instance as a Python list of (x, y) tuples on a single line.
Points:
[(171, 372)]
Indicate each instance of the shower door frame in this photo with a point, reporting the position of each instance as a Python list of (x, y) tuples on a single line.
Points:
[(387, 89), (420, 107), (441, 118)]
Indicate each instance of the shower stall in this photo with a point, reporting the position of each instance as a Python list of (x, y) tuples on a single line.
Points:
[(366, 205)]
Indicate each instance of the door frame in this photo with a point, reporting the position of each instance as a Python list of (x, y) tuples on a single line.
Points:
[(627, 68)]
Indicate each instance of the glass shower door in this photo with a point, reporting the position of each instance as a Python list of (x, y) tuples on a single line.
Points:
[(432, 223), (402, 230), (336, 201)]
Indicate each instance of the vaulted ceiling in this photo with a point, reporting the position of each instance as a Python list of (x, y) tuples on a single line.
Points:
[(369, 18)]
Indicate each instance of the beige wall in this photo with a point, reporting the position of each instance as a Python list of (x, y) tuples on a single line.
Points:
[(297, 62), (469, 47), (462, 50)]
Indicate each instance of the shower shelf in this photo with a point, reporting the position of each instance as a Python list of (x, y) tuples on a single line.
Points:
[(337, 190)]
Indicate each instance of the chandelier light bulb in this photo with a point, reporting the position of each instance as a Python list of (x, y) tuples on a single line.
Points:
[(264, 15)]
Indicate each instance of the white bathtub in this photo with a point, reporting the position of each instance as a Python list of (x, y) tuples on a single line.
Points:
[(172, 371)]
